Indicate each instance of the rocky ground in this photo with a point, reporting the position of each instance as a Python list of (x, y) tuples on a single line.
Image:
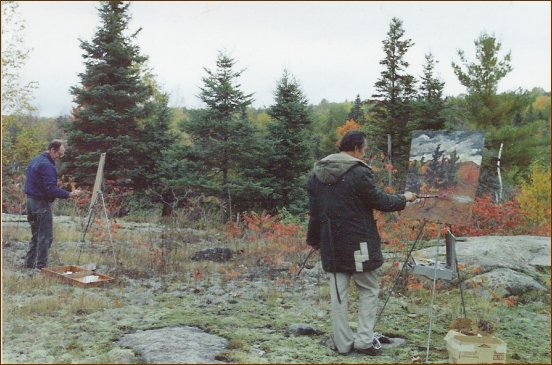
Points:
[(202, 314)]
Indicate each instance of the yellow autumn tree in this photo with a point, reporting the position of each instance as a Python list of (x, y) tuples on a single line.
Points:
[(542, 103), (23, 139), (349, 125), (534, 198)]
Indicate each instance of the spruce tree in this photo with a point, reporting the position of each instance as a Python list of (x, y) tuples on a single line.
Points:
[(290, 145), (357, 114), (430, 104), (395, 93), (157, 139), (222, 136), (114, 106)]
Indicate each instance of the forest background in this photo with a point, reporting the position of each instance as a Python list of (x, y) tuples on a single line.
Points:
[(229, 159)]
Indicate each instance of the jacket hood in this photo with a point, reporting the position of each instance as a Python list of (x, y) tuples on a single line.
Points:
[(331, 168)]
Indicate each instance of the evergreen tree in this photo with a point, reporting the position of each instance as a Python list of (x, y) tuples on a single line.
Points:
[(221, 135), (481, 79), (357, 114), (157, 140), (289, 136), (430, 104), (395, 93), (115, 107)]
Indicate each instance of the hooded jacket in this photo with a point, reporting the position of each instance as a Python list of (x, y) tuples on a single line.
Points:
[(342, 196)]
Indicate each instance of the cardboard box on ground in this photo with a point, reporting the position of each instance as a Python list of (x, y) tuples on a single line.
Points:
[(465, 349)]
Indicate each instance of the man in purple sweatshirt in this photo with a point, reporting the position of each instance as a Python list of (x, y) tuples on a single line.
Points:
[(41, 189)]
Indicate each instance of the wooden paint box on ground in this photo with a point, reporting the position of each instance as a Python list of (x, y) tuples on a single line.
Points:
[(464, 349), (77, 275)]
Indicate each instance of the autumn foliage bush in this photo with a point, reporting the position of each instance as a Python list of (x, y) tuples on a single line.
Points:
[(534, 199), (14, 200), (528, 213), (268, 239), (350, 125), (490, 218)]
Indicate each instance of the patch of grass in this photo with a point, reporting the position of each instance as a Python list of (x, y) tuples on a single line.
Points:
[(22, 282), (42, 305), (62, 302), (16, 232), (66, 233), (237, 344), (89, 301)]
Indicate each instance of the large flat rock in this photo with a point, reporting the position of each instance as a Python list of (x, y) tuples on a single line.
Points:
[(505, 282), (509, 265), (175, 345), (519, 253)]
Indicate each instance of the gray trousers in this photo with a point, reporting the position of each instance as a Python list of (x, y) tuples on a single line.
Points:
[(39, 215), (368, 287)]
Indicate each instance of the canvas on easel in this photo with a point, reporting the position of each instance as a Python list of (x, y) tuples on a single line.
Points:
[(98, 181), (444, 167), (95, 190)]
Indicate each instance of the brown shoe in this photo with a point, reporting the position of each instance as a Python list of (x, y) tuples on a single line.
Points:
[(370, 351)]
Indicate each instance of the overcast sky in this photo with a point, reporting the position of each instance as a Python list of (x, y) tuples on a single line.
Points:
[(333, 49)]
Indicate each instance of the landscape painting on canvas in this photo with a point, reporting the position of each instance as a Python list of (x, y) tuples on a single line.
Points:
[(444, 167)]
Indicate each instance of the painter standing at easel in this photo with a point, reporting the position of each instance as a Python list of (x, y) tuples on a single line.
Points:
[(41, 189), (342, 196)]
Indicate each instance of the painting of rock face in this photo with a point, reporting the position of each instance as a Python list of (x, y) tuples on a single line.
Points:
[(444, 167)]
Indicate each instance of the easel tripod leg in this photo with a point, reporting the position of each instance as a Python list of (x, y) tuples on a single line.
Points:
[(86, 227), (109, 231), (461, 290), (436, 264), (400, 272)]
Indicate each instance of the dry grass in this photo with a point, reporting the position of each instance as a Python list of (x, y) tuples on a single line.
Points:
[(37, 297), (14, 282), (19, 231)]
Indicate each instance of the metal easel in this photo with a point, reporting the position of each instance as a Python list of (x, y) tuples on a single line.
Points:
[(434, 270)]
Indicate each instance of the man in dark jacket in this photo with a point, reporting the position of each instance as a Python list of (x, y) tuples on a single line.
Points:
[(41, 189), (342, 196)]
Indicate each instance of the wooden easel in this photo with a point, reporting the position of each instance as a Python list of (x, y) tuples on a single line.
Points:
[(97, 192)]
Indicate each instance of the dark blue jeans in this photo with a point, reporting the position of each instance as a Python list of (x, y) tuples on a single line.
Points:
[(39, 215)]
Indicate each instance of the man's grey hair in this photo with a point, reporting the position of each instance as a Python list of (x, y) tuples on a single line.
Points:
[(55, 144)]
